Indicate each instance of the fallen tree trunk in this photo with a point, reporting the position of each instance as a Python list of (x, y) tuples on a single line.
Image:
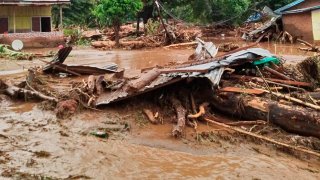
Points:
[(181, 113), (293, 119), (239, 130), (150, 116), (16, 92), (144, 80)]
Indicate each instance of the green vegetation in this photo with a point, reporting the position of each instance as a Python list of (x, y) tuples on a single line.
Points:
[(99, 13), (115, 12)]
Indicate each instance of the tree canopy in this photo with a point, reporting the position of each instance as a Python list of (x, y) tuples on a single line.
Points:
[(104, 12), (115, 12)]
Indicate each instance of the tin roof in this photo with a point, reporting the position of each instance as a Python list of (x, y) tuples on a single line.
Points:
[(302, 10), (33, 2), (288, 6)]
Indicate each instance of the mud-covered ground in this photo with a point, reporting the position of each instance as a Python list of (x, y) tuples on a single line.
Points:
[(35, 144)]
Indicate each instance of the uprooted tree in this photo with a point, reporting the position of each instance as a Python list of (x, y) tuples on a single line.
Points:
[(115, 12)]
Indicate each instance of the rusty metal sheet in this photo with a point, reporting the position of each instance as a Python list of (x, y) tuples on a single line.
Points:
[(121, 94), (242, 90)]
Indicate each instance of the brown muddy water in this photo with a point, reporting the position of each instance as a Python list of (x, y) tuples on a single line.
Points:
[(138, 59), (35, 144)]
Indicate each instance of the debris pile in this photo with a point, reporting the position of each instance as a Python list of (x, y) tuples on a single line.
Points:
[(249, 83), (178, 33), (6, 52)]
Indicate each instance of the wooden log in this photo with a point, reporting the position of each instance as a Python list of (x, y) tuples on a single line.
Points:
[(151, 117), (144, 80), (16, 92), (276, 73), (91, 84), (246, 123), (312, 48), (182, 45), (295, 100), (201, 112), (181, 113), (300, 149), (242, 90), (287, 82), (295, 119)]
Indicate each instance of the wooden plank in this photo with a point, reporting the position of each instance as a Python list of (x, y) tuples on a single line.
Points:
[(241, 90)]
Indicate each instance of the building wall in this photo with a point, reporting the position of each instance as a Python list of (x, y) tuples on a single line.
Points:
[(299, 25), (306, 4), (316, 24), (23, 16)]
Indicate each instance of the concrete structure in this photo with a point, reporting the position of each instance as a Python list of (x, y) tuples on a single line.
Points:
[(27, 20), (302, 19)]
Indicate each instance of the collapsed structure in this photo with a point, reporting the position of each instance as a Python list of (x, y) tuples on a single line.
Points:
[(249, 83)]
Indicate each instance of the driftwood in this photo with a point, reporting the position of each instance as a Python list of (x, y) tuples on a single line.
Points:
[(151, 117), (276, 73), (180, 45), (246, 123), (294, 100), (181, 113), (201, 112), (144, 80), (294, 119), (16, 92), (300, 149), (311, 48), (91, 84)]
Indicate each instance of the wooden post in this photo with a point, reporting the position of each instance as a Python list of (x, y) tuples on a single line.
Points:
[(14, 19), (61, 13), (161, 19)]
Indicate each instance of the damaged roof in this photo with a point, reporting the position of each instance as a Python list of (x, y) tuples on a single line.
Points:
[(288, 6), (33, 2), (285, 9), (214, 74)]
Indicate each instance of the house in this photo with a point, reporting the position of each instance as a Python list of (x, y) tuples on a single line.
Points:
[(28, 19), (301, 19)]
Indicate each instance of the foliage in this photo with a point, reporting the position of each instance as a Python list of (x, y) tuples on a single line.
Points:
[(212, 11), (152, 27), (91, 13), (109, 12), (79, 13), (115, 12), (76, 37)]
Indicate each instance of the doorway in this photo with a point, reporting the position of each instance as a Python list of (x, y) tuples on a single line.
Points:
[(4, 25), (45, 24)]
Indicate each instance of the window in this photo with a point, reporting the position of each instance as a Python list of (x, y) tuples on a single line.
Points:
[(41, 24)]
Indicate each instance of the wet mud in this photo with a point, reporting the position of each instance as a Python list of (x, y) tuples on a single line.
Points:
[(35, 144)]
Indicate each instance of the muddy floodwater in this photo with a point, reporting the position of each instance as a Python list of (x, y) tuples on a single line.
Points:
[(34, 144)]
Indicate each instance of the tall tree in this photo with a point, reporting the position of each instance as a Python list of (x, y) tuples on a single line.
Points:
[(115, 12)]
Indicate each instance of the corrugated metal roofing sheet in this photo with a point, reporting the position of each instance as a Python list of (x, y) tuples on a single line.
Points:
[(33, 2), (302, 10), (122, 93), (216, 69), (288, 6)]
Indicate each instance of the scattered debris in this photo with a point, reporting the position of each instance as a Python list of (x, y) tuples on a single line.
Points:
[(11, 54), (250, 83)]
